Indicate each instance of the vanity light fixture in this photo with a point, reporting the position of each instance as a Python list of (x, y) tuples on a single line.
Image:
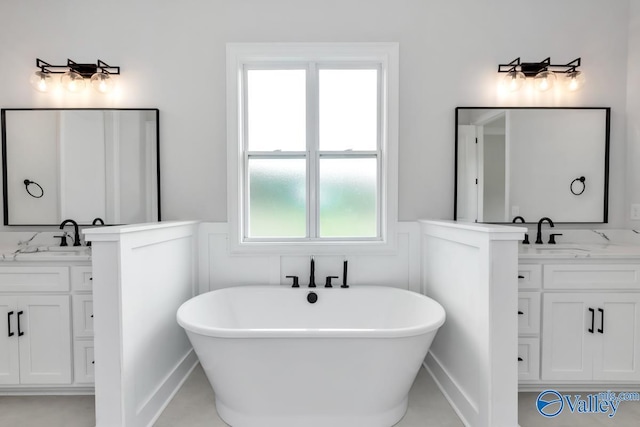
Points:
[(544, 74), (74, 76)]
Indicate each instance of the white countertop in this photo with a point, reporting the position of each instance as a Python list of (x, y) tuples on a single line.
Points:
[(579, 250)]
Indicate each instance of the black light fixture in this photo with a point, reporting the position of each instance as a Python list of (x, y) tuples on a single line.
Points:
[(74, 75), (543, 73)]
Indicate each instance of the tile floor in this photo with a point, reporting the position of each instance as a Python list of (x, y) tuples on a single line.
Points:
[(193, 406)]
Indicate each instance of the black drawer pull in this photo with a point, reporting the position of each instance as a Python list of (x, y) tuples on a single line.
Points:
[(520, 277), (20, 333), (520, 359), (592, 319), (9, 314), (520, 313), (601, 330)]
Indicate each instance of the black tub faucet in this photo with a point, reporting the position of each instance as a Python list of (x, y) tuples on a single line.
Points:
[(312, 276), (76, 234), (526, 235), (539, 234)]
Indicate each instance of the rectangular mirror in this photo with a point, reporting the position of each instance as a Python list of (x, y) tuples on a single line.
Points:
[(80, 164), (532, 162)]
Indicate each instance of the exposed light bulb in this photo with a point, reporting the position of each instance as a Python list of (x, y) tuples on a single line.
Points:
[(41, 81), (544, 80), (575, 81), (544, 84), (72, 81), (102, 82), (513, 81)]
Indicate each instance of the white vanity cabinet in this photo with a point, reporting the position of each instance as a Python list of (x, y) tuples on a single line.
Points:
[(38, 336), (36, 342), (589, 318), (591, 336)]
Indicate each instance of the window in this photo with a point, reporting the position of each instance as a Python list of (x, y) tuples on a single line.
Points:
[(312, 141)]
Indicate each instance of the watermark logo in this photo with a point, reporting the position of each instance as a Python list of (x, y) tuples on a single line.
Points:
[(550, 403)]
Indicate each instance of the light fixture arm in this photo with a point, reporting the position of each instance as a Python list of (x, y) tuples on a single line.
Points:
[(85, 70), (530, 69)]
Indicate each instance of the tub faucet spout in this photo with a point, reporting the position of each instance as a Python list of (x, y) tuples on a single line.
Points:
[(312, 276)]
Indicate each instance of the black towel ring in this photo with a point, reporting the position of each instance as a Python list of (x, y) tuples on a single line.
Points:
[(584, 186), (28, 182)]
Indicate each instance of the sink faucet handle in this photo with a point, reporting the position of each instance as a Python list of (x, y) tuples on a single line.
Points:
[(552, 238), (328, 284), (63, 239), (295, 281)]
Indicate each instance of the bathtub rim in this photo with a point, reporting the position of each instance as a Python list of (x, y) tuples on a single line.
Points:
[(218, 332)]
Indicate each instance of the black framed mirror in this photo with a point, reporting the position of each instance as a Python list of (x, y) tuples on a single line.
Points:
[(532, 162), (82, 164)]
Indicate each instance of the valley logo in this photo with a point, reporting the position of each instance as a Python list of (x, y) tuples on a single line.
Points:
[(550, 403)]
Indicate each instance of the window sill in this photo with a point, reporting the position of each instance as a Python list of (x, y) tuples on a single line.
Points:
[(387, 246)]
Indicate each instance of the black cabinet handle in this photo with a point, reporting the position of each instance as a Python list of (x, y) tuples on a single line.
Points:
[(519, 359), (520, 277), (592, 319), (520, 313), (9, 314), (20, 333), (601, 330)]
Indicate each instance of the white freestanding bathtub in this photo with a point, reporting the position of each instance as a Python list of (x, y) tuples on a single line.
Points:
[(276, 360)]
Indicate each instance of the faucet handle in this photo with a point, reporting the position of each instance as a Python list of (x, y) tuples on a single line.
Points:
[(327, 284), (295, 281), (552, 238), (63, 239)]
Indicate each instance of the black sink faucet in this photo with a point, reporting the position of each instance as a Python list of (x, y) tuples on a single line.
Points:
[(526, 235), (539, 234), (76, 233), (312, 276), (95, 222)]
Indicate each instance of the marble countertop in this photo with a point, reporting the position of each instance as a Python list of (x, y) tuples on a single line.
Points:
[(39, 247), (579, 250)]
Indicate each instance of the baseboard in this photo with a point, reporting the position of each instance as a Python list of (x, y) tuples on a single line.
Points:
[(47, 391), (461, 404), (149, 411)]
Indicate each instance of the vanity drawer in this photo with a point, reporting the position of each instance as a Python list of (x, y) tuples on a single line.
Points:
[(28, 279), (83, 315), (82, 278), (592, 276), (528, 312), (529, 276), (528, 359), (84, 363)]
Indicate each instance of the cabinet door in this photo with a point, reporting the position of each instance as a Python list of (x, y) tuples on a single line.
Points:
[(617, 357), (9, 356), (567, 346), (45, 347)]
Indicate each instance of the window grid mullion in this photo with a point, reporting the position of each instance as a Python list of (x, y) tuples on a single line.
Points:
[(313, 118)]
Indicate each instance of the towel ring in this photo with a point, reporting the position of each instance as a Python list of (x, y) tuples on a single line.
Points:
[(28, 182), (581, 181)]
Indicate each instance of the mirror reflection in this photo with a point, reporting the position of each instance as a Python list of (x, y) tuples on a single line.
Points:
[(532, 162), (80, 164)]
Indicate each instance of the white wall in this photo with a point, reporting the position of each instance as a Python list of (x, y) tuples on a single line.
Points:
[(633, 108), (173, 57), (220, 269)]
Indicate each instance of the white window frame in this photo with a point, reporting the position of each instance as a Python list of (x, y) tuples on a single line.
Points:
[(280, 55)]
